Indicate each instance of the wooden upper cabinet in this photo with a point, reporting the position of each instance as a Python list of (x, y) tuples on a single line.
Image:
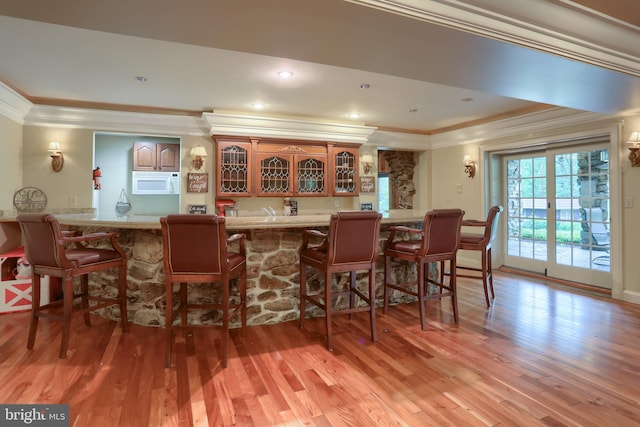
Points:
[(344, 164), (284, 168), (151, 156), (168, 157), (291, 169), (144, 156), (233, 168)]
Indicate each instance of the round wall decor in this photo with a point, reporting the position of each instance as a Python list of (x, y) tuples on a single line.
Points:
[(29, 199)]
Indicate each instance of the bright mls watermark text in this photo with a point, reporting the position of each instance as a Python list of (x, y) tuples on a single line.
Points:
[(34, 415)]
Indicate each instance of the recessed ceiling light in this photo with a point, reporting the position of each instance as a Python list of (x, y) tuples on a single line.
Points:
[(258, 105), (285, 74), (142, 78), (353, 115), (365, 86)]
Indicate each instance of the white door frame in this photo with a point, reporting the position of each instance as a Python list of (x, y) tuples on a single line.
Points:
[(490, 190)]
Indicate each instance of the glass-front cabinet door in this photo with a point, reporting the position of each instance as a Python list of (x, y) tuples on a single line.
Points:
[(345, 166), (234, 169), (274, 174), (310, 175)]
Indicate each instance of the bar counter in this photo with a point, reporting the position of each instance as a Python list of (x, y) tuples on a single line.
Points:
[(272, 264), (148, 222)]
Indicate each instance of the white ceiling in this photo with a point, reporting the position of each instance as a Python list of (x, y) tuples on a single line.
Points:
[(224, 55)]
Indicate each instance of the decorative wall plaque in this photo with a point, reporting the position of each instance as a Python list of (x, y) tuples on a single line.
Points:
[(29, 199), (197, 182), (368, 184), (197, 209)]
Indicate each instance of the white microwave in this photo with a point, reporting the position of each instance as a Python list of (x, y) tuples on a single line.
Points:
[(155, 182)]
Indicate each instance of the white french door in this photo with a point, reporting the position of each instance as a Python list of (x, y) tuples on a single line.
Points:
[(557, 213)]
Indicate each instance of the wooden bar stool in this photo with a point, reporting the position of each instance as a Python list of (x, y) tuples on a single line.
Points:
[(438, 241), (351, 245), (482, 243), (195, 251), (52, 252)]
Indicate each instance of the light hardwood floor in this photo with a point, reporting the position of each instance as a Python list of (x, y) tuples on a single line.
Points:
[(542, 355)]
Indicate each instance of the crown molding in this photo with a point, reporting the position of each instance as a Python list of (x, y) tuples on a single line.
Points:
[(12, 104), (22, 111), (399, 140), (288, 128), (592, 37), (118, 121), (526, 124)]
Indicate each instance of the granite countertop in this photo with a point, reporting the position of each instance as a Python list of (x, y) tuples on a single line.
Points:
[(232, 223)]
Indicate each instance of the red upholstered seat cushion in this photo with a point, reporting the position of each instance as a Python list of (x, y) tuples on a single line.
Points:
[(91, 255), (318, 253), (471, 238), (408, 246)]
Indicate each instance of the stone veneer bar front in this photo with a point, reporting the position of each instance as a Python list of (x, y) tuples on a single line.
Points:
[(272, 265)]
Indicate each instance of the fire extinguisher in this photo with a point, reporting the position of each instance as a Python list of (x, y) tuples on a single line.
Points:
[(96, 178)]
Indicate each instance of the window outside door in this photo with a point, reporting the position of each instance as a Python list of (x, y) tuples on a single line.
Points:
[(558, 213)]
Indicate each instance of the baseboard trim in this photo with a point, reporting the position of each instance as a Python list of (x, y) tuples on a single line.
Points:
[(567, 283), (631, 296)]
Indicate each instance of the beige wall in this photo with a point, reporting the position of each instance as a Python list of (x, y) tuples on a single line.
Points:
[(10, 161), (451, 187), (72, 186), (370, 197), (423, 200), (630, 216), (207, 198)]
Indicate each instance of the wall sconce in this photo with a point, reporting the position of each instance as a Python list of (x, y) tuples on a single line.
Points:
[(57, 159), (469, 166), (367, 163), (634, 146), (197, 154)]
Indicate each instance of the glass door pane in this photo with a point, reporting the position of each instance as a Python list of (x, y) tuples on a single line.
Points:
[(582, 209), (527, 207)]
